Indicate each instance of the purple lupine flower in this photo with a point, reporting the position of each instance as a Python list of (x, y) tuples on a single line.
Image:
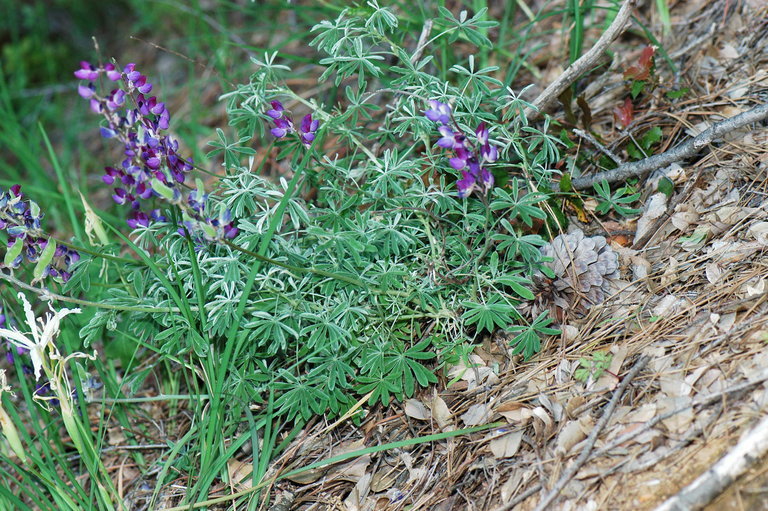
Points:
[(284, 124), (465, 185), (282, 127), (465, 158), (308, 128), (152, 166), (277, 110), (438, 112), (448, 138), (21, 219), (87, 72), (488, 152)]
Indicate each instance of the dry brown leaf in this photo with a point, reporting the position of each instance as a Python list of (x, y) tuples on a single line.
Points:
[(759, 230), (515, 412), (713, 272), (542, 423), (385, 478), (416, 410), (667, 306), (240, 474), (507, 445), (352, 471), (654, 208), (477, 415), (507, 489), (684, 216), (674, 385), (570, 435), (679, 422), (440, 412), (356, 498)]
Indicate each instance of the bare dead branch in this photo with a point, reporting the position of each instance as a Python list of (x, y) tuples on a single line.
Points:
[(722, 474), (681, 152), (545, 100)]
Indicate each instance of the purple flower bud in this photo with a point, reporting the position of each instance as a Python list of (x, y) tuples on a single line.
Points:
[(107, 133), (143, 85), (308, 128), (87, 72), (112, 74), (279, 132), (448, 137), (164, 121), (86, 91), (490, 153), (486, 178), (120, 196), (457, 163), (482, 133), (438, 112), (138, 219), (465, 185)]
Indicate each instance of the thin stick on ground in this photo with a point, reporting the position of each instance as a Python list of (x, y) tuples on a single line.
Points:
[(681, 152), (547, 98), (600, 147), (722, 474), (590, 443)]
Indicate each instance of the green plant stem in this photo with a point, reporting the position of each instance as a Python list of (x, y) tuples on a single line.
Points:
[(45, 293)]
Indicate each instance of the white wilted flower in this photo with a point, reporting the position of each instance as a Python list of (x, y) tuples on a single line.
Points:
[(42, 332)]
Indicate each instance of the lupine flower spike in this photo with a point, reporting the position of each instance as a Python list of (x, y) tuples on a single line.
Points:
[(469, 161), (152, 166)]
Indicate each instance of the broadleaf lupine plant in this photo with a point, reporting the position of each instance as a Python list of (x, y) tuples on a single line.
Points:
[(380, 261)]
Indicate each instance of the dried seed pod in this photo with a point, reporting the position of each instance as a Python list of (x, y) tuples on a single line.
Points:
[(584, 269)]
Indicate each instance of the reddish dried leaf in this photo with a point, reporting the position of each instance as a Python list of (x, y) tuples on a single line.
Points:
[(624, 114), (642, 70)]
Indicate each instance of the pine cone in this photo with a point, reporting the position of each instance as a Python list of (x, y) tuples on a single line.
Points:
[(584, 270)]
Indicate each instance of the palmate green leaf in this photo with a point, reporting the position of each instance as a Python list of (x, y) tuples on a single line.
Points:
[(517, 246), (334, 367), (468, 27), (518, 285), (490, 315), (519, 206), (233, 151), (528, 340), (382, 388), (301, 396)]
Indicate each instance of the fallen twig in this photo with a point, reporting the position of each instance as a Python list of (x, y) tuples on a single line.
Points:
[(600, 147), (582, 65), (722, 474), (681, 152), (590, 442)]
